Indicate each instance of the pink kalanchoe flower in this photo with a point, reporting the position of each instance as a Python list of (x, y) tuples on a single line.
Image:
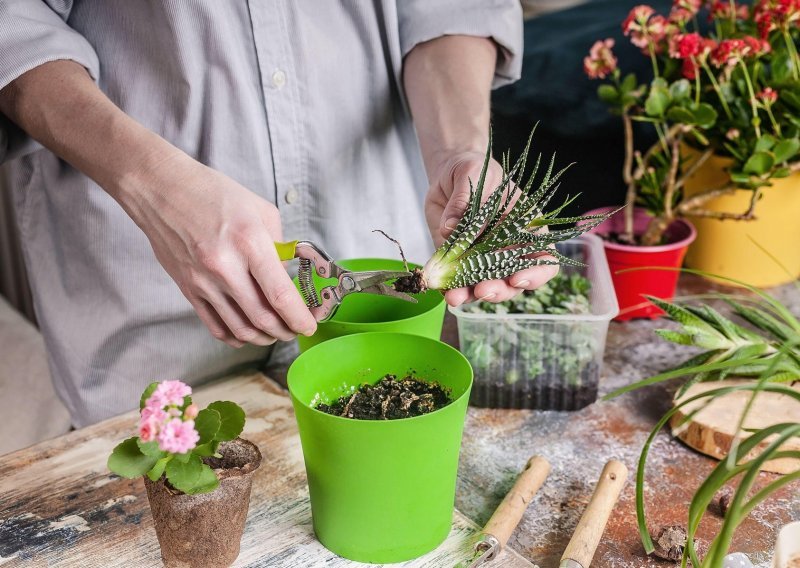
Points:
[(177, 436), (191, 412), (148, 429), (767, 96), (601, 61), (154, 412), (637, 19), (170, 393)]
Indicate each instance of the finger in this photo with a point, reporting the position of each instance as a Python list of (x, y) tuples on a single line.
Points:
[(280, 291), (532, 278), (459, 198), (259, 313), (235, 320), (214, 323), (495, 291), (458, 296)]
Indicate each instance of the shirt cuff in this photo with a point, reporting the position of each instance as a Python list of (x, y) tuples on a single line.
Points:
[(500, 20)]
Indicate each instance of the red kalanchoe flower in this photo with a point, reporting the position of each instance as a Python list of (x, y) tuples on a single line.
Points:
[(767, 96), (721, 10), (601, 61), (684, 46), (776, 14), (638, 26), (731, 51), (684, 10)]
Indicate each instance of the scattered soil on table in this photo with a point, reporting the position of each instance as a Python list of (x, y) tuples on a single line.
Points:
[(389, 399), (411, 284), (670, 542), (723, 500)]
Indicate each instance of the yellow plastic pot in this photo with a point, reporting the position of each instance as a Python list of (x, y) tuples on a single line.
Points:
[(725, 247)]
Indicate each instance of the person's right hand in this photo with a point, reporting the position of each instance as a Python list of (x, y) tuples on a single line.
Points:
[(216, 238)]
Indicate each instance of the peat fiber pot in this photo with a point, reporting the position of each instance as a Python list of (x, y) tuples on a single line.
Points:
[(360, 313), (381, 490), (728, 248), (205, 530), (632, 285)]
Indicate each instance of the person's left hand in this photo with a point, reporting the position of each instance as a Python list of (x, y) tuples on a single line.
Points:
[(445, 204)]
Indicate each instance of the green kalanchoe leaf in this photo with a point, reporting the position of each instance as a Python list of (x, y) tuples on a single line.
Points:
[(231, 420), (207, 424), (192, 477), (127, 460), (158, 469), (146, 394)]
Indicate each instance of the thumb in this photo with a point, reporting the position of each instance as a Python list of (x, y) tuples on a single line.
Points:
[(459, 199), (454, 210)]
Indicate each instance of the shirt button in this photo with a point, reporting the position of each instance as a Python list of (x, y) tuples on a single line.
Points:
[(278, 79), (291, 195)]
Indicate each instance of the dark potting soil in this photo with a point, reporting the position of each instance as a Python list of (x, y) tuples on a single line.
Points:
[(547, 391), (617, 238), (389, 399), (410, 284)]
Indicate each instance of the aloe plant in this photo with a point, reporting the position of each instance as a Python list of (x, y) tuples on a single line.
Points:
[(769, 352), (504, 234)]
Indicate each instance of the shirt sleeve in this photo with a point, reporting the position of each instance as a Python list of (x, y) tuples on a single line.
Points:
[(501, 20), (33, 32)]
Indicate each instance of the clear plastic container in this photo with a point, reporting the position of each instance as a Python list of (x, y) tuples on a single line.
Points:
[(546, 362)]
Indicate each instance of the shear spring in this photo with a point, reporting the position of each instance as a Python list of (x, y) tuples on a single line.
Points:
[(305, 276)]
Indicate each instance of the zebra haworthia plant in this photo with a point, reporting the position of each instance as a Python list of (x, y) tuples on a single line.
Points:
[(505, 233)]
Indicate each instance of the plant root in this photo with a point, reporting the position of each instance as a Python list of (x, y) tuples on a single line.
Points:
[(399, 247), (414, 284)]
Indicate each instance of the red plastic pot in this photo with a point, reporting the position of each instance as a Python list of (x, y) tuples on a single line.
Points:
[(632, 285)]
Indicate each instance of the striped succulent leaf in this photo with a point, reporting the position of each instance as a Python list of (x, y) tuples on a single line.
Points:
[(506, 232), (772, 345)]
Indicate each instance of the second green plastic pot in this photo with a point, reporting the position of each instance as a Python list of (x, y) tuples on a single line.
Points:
[(360, 313), (381, 490)]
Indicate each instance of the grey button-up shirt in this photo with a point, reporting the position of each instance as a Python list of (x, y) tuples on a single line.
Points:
[(301, 101)]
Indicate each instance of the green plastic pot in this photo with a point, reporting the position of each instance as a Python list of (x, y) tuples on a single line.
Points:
[(360, 313), (381, 490)]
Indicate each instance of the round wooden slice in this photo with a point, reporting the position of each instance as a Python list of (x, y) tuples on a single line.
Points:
[(711, 431)]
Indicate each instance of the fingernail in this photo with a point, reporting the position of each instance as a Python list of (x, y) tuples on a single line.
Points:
[(487, 297), (451, 223), (522, 284)]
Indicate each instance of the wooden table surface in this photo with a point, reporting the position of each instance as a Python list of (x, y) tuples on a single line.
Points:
[(60, 507)]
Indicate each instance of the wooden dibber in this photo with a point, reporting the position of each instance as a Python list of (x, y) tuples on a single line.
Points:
[(506, 517), (586, 537)]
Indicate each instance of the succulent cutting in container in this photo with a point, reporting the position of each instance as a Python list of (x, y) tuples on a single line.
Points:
[(506, 233)]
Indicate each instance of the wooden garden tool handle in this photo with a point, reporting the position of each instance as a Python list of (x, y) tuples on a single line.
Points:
[(507, 516), (584, 541)]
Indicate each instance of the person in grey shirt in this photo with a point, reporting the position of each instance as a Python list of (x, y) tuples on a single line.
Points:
[(157, 148)]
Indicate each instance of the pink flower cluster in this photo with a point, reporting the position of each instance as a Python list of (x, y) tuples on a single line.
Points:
[(601, 60), (162, 419), (684, 10), (646, 28), (776, 15)]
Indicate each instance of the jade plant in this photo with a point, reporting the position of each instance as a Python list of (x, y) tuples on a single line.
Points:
[(174, 438), (730, 88), (769, 352), (506, 233)]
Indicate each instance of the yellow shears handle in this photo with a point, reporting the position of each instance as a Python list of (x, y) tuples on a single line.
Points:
[(286, 251)]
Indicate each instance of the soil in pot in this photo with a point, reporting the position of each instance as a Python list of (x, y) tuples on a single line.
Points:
[(206, 529), (390, 399)]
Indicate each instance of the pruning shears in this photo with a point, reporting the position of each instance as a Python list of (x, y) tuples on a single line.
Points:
[(325, 303)]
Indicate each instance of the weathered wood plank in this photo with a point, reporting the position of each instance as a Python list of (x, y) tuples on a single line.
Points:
[(59, 506)]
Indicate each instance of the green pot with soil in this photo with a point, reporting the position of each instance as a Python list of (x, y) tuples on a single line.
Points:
[(206, 529), (361, 313), (382, 488)]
